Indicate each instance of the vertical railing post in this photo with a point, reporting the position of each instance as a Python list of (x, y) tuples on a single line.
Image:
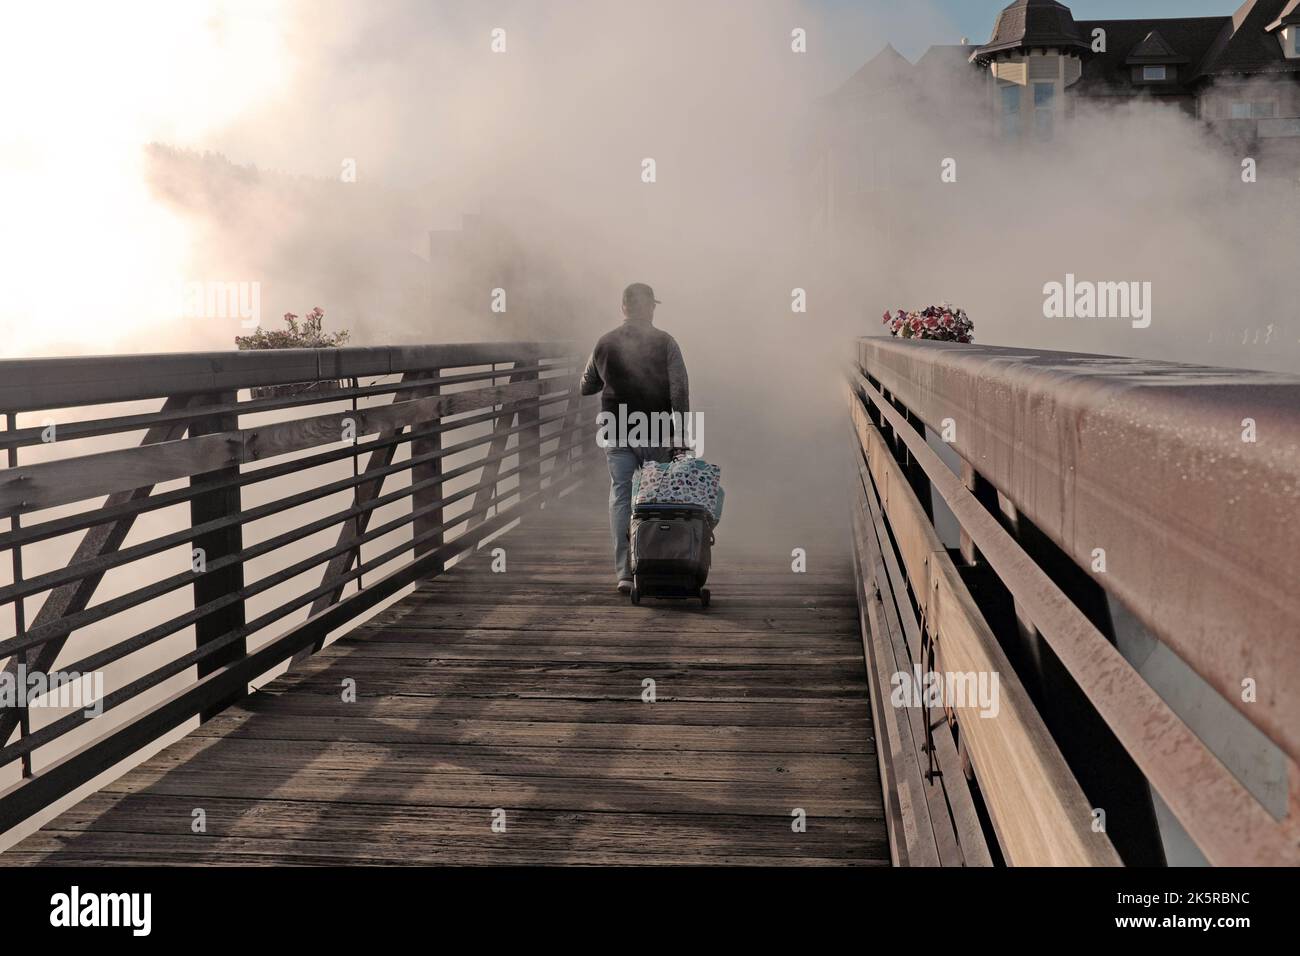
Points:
[(575, 457), (211, 585), (987, 495), (530, 434), (915, 473), (20, 612), (428, 442)]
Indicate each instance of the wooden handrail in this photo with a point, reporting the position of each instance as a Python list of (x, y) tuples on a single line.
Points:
[(48, 383), (1228, 824), (1147, 461)]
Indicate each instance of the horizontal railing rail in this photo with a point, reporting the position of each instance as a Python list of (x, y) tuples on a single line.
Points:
[(443, 449), (1150, 463), (46, 383)]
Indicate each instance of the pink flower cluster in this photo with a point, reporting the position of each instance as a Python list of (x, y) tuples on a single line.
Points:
[(940, 322)]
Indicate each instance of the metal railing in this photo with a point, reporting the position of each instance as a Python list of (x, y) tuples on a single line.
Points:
[(1171, 490), (265, 445)]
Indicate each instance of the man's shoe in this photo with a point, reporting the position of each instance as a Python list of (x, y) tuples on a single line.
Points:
[(625, 586)]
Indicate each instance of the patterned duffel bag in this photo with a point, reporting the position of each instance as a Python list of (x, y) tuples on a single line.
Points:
[(683, 481)]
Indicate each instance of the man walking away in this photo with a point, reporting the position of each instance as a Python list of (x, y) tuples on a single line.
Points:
[(636, 368)]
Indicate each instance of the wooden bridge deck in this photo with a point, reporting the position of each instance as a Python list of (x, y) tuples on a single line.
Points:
[(522, 692)]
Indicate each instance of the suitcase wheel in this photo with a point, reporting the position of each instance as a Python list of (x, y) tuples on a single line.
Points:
[(704, 597)]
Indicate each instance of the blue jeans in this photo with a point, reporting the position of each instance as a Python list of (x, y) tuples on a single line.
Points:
[(623, 464)]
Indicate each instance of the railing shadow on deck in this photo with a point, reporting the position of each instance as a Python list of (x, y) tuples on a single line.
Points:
[(407, 822), (470, 456)]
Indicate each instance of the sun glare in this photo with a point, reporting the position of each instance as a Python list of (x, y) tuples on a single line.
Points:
[(86, 253)]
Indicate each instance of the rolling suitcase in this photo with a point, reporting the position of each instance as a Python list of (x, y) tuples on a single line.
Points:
[(672, 546)]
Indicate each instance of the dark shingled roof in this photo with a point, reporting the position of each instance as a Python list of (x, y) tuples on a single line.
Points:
[(1245, 46), (1189, 38), (949, 57), (888, 69), (1288, 16), (1154, 49), (1032, 23), (1201, 48)]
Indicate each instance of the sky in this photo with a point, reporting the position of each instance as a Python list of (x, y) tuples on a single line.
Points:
[(974, 19)]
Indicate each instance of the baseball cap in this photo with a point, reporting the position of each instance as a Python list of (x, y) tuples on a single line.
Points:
[(639, 290)]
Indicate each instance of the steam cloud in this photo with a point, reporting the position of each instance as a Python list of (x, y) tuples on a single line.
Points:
[(541, 147)]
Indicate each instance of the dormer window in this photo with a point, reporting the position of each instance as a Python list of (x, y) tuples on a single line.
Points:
[(1154, 60), (1288, 37)]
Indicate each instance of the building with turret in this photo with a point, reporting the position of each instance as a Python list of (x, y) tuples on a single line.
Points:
[(1238, 73), (1241, 72)]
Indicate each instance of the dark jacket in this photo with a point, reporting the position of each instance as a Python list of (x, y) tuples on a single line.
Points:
[(638, 366)]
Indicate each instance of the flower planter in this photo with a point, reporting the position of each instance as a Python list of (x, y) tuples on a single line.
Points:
[(939, 323)]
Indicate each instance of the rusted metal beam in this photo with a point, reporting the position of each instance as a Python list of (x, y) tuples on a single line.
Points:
[(1152, 463)]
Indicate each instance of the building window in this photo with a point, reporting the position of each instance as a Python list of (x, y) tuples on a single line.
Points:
[(1153, 74), (1011, 111), (1044, 110), (1257, 109)]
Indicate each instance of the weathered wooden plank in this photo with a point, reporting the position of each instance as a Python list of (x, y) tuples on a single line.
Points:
[(172, 857), (611, 794), (739, 597), (674, 616), (916, 843), (580, 688), (853, 736), (400, 758), (959, 804), (681, 653), (841, 838), (820, 713), (1038, 809), (623, 637), (917, 724), (539, 712)]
